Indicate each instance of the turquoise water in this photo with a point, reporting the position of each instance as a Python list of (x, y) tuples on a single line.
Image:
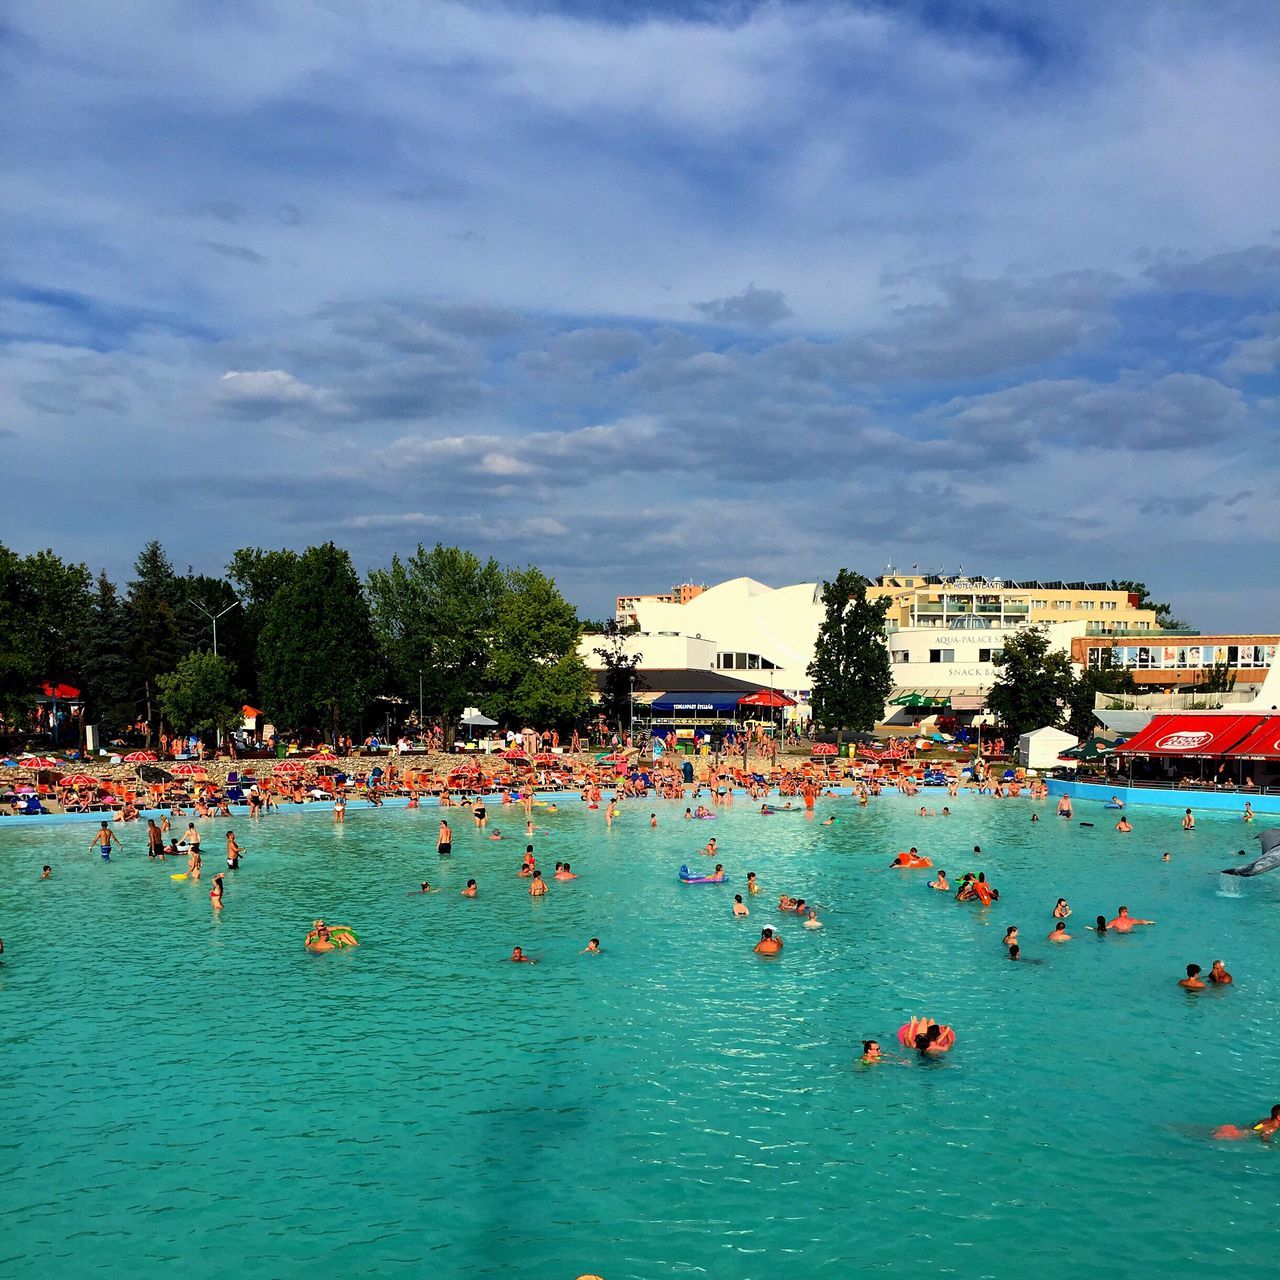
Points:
[(197, 1095)]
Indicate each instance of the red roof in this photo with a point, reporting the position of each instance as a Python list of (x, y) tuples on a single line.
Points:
[(1262, 744), (1190, 736)]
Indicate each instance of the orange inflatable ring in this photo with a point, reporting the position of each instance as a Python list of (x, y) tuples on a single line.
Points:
[(905, 859), (919, 1026)]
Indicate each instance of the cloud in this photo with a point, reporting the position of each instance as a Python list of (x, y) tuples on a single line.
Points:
[(752, 308), (237, 251), (262, 393)]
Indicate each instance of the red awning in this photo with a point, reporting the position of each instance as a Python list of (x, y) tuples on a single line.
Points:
[(1190, 736), (1262, 744), (64, 691)]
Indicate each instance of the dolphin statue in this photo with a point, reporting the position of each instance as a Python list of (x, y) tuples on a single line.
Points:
[(1269, 861)]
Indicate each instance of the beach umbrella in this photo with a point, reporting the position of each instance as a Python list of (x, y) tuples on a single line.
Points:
[(766, 698), (153, 773), (80, 780), (289, 766), (189, 770), (1088, 750), (478, 721), (513, 754), (139, 757), (323, 754), (825, 749), (41, 762), (545, 757)]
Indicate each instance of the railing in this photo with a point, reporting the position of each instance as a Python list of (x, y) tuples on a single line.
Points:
[(1207, 788)]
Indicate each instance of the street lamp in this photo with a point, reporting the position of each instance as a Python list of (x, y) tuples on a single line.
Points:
[(421, 723), (631, 709), (213, 617)]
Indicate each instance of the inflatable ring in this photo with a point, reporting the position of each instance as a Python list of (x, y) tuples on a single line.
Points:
[(685, 877), (905, 859), (919, 1026)]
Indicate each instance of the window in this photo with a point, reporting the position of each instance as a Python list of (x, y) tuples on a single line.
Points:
[(1039, 604), (1086, 604), (1062, 604), (899, 655), (942, 655), (984, 655), (1110, 605)]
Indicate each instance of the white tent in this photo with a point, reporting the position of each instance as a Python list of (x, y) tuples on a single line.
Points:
[(1040, 748)]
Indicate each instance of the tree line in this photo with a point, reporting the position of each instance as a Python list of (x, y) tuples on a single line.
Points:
[(299, 635)]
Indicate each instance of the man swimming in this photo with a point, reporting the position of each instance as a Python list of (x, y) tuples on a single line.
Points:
[(769, 945), (102, 840), (739, 907), (518, 957), (444, 839), (1059, 932), (470, 890), (940, 883), (592, 948), (1219, 975), (1193, 981), (1124, 922)]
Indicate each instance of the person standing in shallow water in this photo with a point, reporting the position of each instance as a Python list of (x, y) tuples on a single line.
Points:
[(444, 840)]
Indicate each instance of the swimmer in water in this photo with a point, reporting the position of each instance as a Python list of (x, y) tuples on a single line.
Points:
[(1010, 936), (710, 848), (470, 890), (828, 822), (769, 945), (1193, 981), (653, 819), (688, 813), (234, 852), (565, 873), (752, 885), (870, 1051), (1100, 928), (426, 887), (813, 922), (1164, 857), (592, 948), (1035, 817), (1061, 911), (537, 885), (103, 839), (785, 903), (215, 892), (1219, 975), (940, 883), (739, 907), (497, 834), (48, 871), (1124, 922), (1124, 824), (518, 957), (1265, 1128), (1059, 932)]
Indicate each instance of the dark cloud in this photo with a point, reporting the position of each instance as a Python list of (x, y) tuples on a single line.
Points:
[(237, 251), (752, 308), (1255, 270)]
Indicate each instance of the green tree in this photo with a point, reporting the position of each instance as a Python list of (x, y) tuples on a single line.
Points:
[(620, 680), (435, 614), (110, 697), (57, 604), (1034, 683), (535, 673), (201, 696), (257, 575), (158, 636), (850, 669), (1110, 677), (19, 652), (318, 657), (1163, 610)]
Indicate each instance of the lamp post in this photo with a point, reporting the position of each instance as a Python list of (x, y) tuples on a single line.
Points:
[(421, 724), (631, 709), (213, 617)]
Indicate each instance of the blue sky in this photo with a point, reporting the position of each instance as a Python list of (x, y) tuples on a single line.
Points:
[(650, 292)]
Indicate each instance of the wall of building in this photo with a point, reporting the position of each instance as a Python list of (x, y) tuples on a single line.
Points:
[(664, 652)]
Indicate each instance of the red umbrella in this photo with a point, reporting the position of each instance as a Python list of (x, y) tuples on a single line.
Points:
[(766, 698), (288, 766), (513, 754), (80, 780), (139, 757), (42, 762), (545, 757), (189, 770), (323, 754), (825, 749)]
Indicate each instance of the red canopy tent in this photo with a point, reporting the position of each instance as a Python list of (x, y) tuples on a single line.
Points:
[(1190, 737)]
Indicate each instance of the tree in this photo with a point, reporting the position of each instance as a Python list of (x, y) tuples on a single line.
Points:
[(257, 575), (201, 696), (435, 615), (535, 673), (1034, 683), (109, 691), (157, 636), (620, 680), (57, 604), (19, 656), (1163, 611), (318, 657), (1110, 677), (850, 669)]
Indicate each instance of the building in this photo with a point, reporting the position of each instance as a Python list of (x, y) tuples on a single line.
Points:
[(919, 600), (1177, 661), (626, 610)]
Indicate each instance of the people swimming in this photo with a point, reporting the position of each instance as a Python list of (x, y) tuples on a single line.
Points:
[(940, 883), (1193, 981), (215, 892), (234, 852), (1124, 824), (870, 1051), (592, 948), (1060, 909), (1059, 932), (103, 839), (812, 922), (1219, 976), (537, 885), (471, 889), (518, 956), (739, 907)]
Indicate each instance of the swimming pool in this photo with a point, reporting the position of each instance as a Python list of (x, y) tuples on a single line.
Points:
[(197, 1094)]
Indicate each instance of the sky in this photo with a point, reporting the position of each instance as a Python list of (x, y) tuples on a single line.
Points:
[(647, 293)]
